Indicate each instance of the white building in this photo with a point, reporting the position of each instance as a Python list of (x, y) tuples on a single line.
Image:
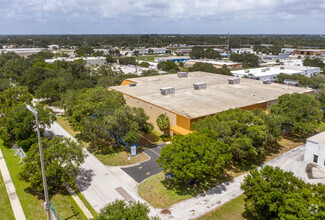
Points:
[(90, 61), (290, 51), (271, 72), (53, 47), (216, 63), (242, 50), (315, 149), (153, 51), (23, 52)]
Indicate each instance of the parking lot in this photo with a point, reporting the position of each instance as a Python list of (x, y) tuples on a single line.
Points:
[(148, 168)]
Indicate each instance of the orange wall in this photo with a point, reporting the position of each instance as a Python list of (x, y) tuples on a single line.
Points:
[(183, 122), (126, 82)]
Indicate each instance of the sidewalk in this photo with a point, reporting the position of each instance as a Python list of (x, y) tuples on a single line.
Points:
[(14, 200), (97, 183)]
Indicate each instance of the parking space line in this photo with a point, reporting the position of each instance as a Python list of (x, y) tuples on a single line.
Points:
[(154, 151)]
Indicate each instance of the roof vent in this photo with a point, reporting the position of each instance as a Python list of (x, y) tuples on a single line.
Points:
[(234, 81), (263, 70), (268, 68), (132, 84), (282, 68), (199, 86), (246, 71), (182, 74), (167, 90), (267, 81)]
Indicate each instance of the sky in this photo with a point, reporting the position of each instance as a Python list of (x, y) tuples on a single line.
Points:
[(162, 16)]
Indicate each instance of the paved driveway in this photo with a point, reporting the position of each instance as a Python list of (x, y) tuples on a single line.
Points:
[(147, 168)]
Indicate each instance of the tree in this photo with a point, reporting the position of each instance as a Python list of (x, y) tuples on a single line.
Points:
[(181, 64), (4, 84), (110, 59), (163, 123), (62, 159), (245, 132), (208, 67), (127, 60), (119, 209), (197, 53), (167, 66), (127, 123), (313, 82), (300, 113), (248, 60), (96, 102), (19, 125), (195, 157), (320, 96), (52, 88), (136, 53), (12, 97), (144, 64), (274, 194)]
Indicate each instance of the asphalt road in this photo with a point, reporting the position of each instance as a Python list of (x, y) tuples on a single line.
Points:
[(147, 168)]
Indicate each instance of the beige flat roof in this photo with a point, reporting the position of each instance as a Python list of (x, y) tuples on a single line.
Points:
[(219, 95), (318, 138)]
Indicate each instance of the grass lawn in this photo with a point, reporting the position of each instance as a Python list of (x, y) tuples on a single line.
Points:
[(32, 206), (121, 158), (234, 209), (5, 207), (160, 196), (64, 122)]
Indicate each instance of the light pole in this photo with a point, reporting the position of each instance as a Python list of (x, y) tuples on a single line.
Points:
[(47, 201)]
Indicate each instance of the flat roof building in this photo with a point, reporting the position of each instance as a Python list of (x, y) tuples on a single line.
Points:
[(216, 63), (315, 149), (310, 52), (271, 72), (197, 95)]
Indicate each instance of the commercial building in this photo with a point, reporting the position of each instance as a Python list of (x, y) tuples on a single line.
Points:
[(280, 56), (187, 97), (183, 51), (242, 50), (271, 72), (151, 51), (309, 52), (90, 61), (217, 63), (290, 51), (315, 149), (23, 52), (176, 59)]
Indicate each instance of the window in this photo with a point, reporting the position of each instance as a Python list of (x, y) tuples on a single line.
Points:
[(315, 158)]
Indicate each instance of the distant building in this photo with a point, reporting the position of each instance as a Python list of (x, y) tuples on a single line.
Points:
[(290, 51), (90, 61), (23, 52), (153, 51), (281, 56), (315, 149), (53, 47), (184, 51), (217, 63), (271, 72), (176, 59), (242, 50), (309, 52), (267, 45)]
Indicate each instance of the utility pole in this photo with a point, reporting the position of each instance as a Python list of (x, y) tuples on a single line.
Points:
[(47, 201), (228, 42)]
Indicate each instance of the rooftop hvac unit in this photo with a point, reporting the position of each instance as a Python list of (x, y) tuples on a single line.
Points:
[(167, 90), (263, 70), (267, 81), (132, 84), (234, 81), (199, 86), (282, 68), (182, 74), (268, 68), (246, 71)]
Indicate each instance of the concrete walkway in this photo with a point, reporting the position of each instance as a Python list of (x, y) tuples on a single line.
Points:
[(97, 183), (14, 200)]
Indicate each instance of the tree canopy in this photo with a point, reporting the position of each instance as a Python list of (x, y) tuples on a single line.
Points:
[(274, 194), (119, 209), (163, 122), (248, 60), (208, 67), (200, 52), (195, 157), (62, 159), (168, 66), (300, 113)]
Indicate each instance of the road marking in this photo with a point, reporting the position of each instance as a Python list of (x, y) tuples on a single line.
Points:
[(159, 147), (140, 168), (154, 152), (148, 173)]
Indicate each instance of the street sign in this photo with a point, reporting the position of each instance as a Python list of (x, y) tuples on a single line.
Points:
[(133, 151)]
